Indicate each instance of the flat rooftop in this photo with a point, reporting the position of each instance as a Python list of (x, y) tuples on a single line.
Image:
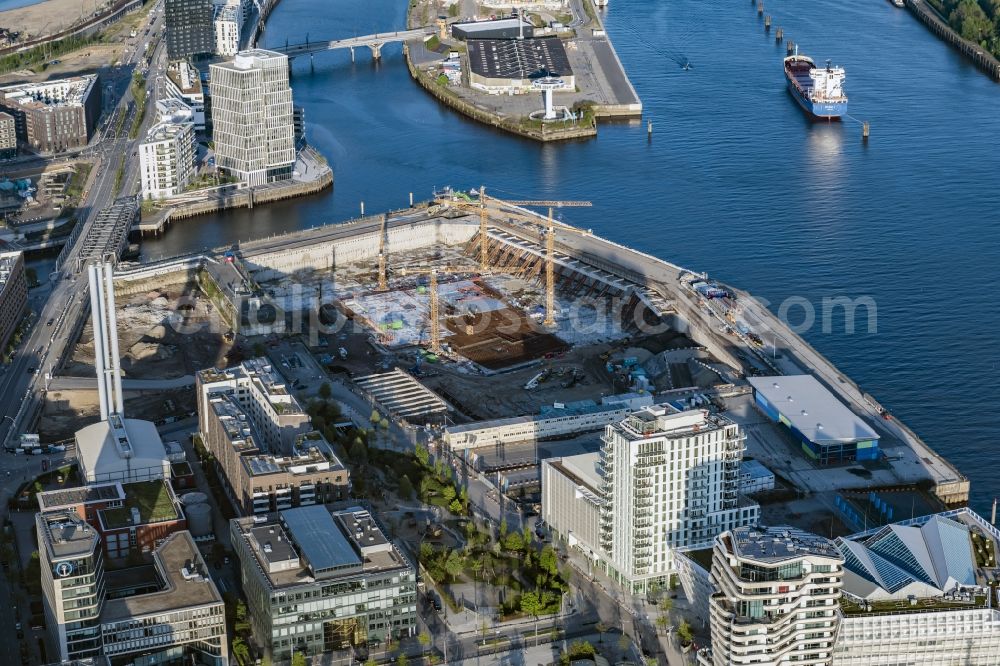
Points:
[(153, 500), (518, 58), (264, 377), (309, 544), (236, 423), (321, 542), (812, 409), (776, 544), (581, 469), (61, 92), (65, 535), (69, 497), (8, 261), (185, 78), (186, 583), (312, 455)]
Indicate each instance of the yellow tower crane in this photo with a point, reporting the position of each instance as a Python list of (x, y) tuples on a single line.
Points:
[(550, 249), (549, 225), (383, 280)]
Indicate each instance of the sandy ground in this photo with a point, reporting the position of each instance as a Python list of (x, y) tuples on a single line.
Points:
[(85, 60), (65, 412), (47, 17), (157, 338)]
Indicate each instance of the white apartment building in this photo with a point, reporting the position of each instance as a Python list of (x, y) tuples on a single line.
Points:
[(183, 83), (776, 599), (167, 160), (263, 395), (252, 117), (665, 481), (228, 22)]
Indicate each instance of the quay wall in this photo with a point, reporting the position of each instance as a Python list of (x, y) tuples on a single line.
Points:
[(488, 118), (239, 199), (939, 26)]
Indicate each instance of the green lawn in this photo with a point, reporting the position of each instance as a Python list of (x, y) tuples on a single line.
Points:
[(152, 500)]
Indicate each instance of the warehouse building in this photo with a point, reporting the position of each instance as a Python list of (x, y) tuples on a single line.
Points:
[(511, 66), (828, 431), (560, 419), (317, 581), (508, 28)]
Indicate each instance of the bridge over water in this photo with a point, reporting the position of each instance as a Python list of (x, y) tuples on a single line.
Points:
[(374, 42)]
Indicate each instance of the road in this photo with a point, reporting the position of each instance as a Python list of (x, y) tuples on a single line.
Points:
[(22, 382)]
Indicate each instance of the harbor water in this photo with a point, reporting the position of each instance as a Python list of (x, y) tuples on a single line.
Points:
[(734, 180)]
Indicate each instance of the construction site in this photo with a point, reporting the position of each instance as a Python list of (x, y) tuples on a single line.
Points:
[(535, 335)]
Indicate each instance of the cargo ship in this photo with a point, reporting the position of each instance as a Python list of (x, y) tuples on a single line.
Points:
[(818, 90)]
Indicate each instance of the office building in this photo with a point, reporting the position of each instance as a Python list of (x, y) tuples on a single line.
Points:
[(72, 570), (228, 22), (252, 119), (511, 66), (317, 581), (776, 598), (8, 136), (176, 616), (259, 482), (664, 480), (921, 593), (826, 429), (13, 294), (189, 28), (170, 612), (183, 82), (54, 116), (262, 394), (167, 159)]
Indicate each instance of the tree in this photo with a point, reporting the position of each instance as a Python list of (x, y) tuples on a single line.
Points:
[(684, 633), (375, 417), (662, 622), (601, 629), (371, 662), (548, 560), (424, 638), (455, 507), (401, 660), (531, 605), (325, 390), (513, 542), (405, 487), (448, 493), (453, 565), (359, 452), (241, 653), (298, 659), (422, 454), (503, 528)]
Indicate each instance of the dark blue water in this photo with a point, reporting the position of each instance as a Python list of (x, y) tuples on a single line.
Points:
[(735, 181)]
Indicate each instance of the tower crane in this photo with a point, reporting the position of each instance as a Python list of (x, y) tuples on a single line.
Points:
[(383, 281), (550, 249), (486, 203)]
